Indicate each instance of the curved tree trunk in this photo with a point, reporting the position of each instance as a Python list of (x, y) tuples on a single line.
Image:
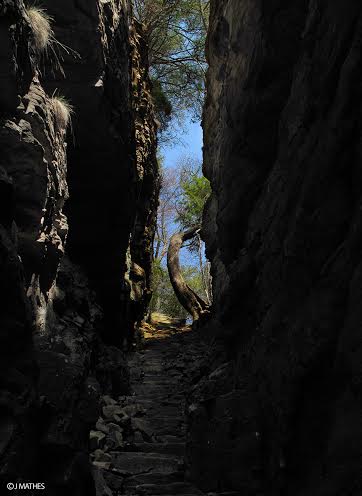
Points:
[(192, 302)]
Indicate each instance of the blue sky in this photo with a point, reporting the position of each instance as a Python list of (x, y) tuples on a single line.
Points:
[(192, 145)]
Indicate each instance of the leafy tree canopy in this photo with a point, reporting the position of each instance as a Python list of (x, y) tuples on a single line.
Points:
[(195, 190), (175, 31), (184, 192)]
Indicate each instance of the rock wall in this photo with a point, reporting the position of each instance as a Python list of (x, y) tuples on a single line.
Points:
[(101, 155), (31, 160), (280, 411), (65, 291), (140, 253), (112, 157)]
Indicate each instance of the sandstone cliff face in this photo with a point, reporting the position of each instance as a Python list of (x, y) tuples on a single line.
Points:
[(281, 413), (33, 152), (140, 254), (101, 166), (20, 135), (15, 56), (54, 364), (112, 165)]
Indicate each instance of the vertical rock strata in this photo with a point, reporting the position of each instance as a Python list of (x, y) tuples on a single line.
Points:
[(65, 290), (112, 160), (19, 403), (102, 170), (140, 254), (282, 123)]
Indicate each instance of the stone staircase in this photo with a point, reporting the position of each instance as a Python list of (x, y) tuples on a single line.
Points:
[(147, 458)]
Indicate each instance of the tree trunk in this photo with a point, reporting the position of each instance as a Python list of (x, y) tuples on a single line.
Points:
[(192, 302)]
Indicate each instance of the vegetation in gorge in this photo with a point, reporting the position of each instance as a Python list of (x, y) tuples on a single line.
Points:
[(44, 42), (184, 191), (194, 191), (175, 31), (165, 300), (41, 26), (191, 301), (62, 111)]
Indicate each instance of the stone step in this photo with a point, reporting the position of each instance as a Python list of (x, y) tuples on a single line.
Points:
[(165, 410), (175, 448), (181, 438), (139, 388), (152, 478), (152, 383), (174, 488), (169, 424), (176, 399), (193, 494), (135, 400), (138, 463), (160, 376), (159, 398), (232, 493), (156, 416), (157, 421), (165, 431), (151, 373), (155, 367), (157, 380), (178, 494), (150, 405), (171, 438), (165, 398), (151, 429)]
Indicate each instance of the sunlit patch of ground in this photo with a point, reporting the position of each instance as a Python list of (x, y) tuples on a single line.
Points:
[(162, 327), (161, 318)]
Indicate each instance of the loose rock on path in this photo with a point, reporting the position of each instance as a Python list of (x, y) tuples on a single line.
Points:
[(139, 441)]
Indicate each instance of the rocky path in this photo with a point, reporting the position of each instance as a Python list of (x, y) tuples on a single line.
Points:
[(139, 442)]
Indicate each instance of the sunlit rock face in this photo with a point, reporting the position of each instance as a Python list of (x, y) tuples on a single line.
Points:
[(33, 152), (140, 254), (282, 126)]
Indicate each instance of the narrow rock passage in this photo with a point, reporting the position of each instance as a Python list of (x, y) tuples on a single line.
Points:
[(145, 433)]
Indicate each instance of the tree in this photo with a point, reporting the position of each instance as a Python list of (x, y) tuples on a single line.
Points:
[(163, 106), (183, 194), (182, 197), (175, 31), (164, 299), (188, 298), (166, 211), (194, 191)]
